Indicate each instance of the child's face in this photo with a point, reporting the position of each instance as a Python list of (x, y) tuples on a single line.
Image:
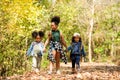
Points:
[(38, 39), (53, 26), (77, 38)]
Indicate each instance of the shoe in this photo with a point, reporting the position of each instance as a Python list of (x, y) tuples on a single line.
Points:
[(58, 72), (49, 72), (78, 68), (73, 71), (79, 76), (36, 70)]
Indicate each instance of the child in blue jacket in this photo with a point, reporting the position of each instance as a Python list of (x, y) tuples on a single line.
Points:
[(36, 50), (77, 50)]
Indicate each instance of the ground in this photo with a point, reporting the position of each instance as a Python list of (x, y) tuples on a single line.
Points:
[(89, 71)]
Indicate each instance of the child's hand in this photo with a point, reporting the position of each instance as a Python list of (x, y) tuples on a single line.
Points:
[(66, 50), (44, 49), (27, 57), (85, 59)]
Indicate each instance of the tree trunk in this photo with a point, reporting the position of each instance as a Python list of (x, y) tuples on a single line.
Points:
[(53, 2), (90, 32), (112, 49)]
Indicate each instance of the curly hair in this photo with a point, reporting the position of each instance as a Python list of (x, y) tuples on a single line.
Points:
[(56, 20), (39, 33), (34, 34)]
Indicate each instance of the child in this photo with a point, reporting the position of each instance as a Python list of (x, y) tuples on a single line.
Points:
[(77, 50), (55, 39), (36, 50)]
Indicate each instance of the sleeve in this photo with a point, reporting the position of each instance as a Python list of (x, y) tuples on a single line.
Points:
[(30, 50), (83, 51)]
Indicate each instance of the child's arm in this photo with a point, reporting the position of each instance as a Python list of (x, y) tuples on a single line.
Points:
[(47, 41), (69, 48), (30, 50), (45, 45), (83, 52), (63, 41)]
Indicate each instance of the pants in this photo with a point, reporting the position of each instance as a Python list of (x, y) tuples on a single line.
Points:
[(75, 60), (36, 62)]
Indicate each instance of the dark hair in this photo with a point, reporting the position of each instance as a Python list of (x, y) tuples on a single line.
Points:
[(41, 33), (73, 40), (56, 20), (35, 34)]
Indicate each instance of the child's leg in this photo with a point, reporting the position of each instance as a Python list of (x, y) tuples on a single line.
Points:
[(77, 63), (73, 64), (57, 58), (51, 66), (72, 58), (39, 62), (51, 63), (34, 63)]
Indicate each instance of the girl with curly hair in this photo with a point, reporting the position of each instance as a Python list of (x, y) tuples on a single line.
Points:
[(55, 40), (36, 50)]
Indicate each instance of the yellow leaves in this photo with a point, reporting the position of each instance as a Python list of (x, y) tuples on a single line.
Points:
[(23, 1), (25, 14)]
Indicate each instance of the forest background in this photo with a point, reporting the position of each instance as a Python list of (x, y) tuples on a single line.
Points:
[(97, 21)]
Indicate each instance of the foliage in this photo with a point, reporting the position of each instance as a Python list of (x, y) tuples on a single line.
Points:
[(19, 18)]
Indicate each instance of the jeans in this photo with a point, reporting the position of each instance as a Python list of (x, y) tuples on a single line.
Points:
[(75, 60)]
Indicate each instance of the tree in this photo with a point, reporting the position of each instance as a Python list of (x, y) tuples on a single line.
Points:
[(91, 29)]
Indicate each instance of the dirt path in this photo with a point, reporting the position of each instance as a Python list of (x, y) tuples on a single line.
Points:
[(89, 71)]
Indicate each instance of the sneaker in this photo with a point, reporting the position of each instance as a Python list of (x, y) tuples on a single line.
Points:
[(36, 70), (79, 76), (78, 70), (73, 71), (77, 66), (49, 72), (58, 72)]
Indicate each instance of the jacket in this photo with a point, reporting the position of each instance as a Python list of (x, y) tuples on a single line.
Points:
[(77, 48), (35, 47)]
